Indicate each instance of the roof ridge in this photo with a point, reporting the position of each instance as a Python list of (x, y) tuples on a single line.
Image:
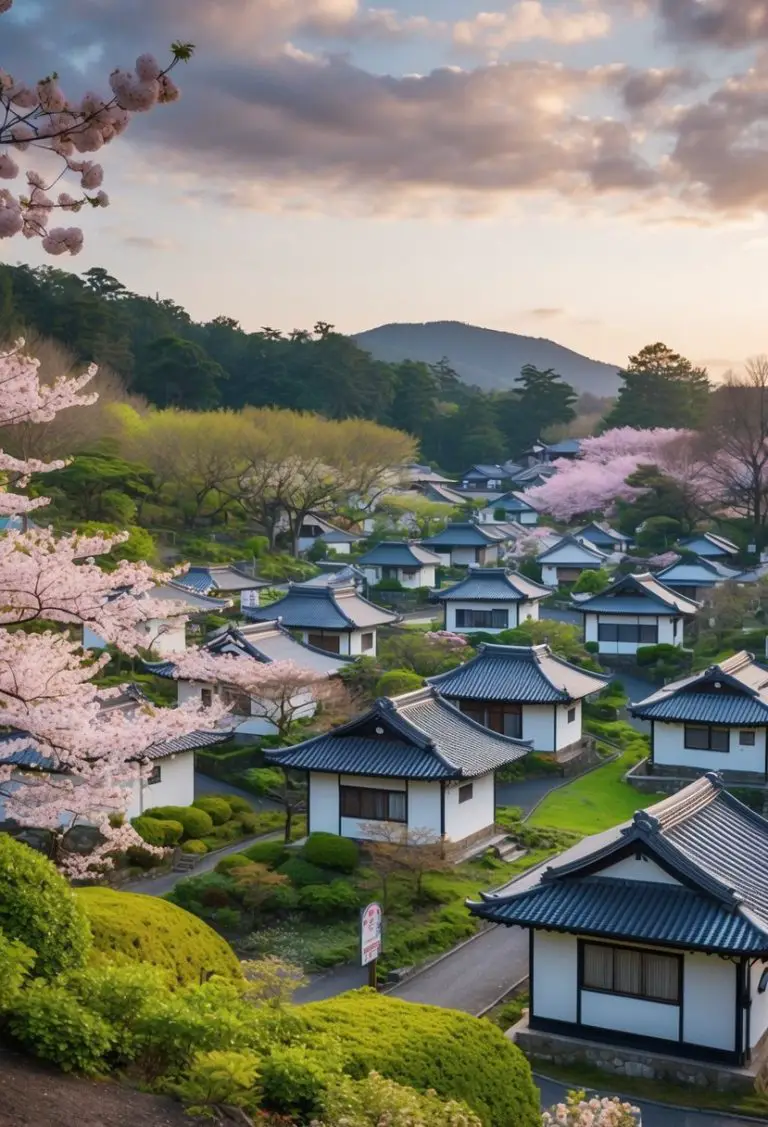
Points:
[(677, 808)]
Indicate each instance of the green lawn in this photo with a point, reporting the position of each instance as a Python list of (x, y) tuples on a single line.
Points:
[(594, 802)]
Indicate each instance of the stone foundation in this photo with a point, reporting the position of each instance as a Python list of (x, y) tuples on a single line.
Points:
[(556, 1048), (653, 778)]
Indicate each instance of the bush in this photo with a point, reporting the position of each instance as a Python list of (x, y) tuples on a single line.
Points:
[(53, 1025), (460, 1057), (130, 927), (329, 901), (141, 858), (592, 582), (302, 873), (237, 804), (331, 852), (266, 852), (249, 823), (218, 808), (227, 831), (398, 681), (196, 823), (294, 1078), (261, 780), (194, 846), (158, 831), (592, 647), (232, 861), (38, 907)]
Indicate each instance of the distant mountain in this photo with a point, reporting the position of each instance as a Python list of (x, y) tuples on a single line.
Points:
[(486, 357)]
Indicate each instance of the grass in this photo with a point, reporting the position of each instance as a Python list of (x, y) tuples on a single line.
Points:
[(509, 1012), (580, 1076), (593, 802)]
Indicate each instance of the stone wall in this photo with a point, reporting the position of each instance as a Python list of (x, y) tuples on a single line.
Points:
[(543, 1048)]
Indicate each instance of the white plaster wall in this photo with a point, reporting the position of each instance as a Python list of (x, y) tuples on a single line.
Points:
[(352, 827), (590, 627), (555, 976), (341, 549), (479, 811), (758, 1022), (462, 557), (709, 1001), (568, 733), (372, 574), (527, 610), (666, 631), (630, 1015), (528, 518), (424, 806), (637, 868), (176, 787), (548, 575), (669, 751), (539, 726), (323, 803), (452, 606)]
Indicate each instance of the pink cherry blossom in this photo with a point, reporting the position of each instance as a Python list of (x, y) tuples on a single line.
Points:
[(9, 169)]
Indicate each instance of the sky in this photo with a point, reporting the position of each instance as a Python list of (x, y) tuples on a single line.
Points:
[(592, 171)]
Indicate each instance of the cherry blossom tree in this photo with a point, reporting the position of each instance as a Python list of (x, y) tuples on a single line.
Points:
[(89, 753), (39, 116), (578, 1111)]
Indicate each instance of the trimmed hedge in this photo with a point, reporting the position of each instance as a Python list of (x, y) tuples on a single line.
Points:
[(397, 681), (271, 853), (331, 852), (196, 822), (38, 907), (301, 873), (194, 846), (218, 808), (237, 804), (158, 831), (128, 926), (231, 861), (461, 1057)]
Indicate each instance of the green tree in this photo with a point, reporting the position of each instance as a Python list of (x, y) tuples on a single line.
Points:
[(540, 399), (97, 486), (179, 373), (661, 496), (592, 581), (660, 388)]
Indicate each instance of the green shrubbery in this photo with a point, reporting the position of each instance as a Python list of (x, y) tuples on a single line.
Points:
[(128, 926), (38, 907), (266, 852), (398, 681), (196, 823), (194, 846), (331, 852), (158, 831), (219, 810)]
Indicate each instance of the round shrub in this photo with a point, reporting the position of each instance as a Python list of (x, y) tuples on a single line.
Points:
[(237, 804), (194, 846), (331, 852), (271, 853), (38, 907), (141, 858), (232, 861), (196, 823), (227, 831), (398, 681), (301, 873), (460, 1057), (329, 901), (145, 929), (218, 808), (157, 831), (249, 822)]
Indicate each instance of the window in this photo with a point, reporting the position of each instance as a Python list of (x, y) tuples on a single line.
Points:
[(706, 737), (482, 619), (642, 634), (465, 793), (238, 701), (366, 642), (747, 739), (155, 776), (206, 697), (499, 717), (322, 641), (571, 715), (369, 804), (629, 971)]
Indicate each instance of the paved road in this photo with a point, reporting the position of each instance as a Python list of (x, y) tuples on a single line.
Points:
[(526, 792), (205, 785), (552, 1092), (160, 885)]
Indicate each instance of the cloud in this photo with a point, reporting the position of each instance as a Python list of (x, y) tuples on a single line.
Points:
[(546, 312), (149, 242), (529, 19), (719, 23)]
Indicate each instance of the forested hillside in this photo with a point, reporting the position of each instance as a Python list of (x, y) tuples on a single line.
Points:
[(161, 354)]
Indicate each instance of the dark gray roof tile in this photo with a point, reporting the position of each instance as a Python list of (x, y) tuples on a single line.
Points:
[(496, 584), (528, 674)]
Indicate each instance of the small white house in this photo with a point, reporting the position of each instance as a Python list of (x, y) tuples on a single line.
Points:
[(337, 620), (410, 564), (636, 610), (712, 721), (165, 635), (514, 507), (696, 577), (412, 762), (483, 478), (565, 562), (522, 691), (491, 599), (314, 528), (462, 544), (710, 546), (605, 538), (653, 935), (223, 581), (264, 643)]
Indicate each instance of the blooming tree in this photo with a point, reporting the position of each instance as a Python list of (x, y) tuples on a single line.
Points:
[(578, 1111), (40, 116), (596, 480), (89, 754)]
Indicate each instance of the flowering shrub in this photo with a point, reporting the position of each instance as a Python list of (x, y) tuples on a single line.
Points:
[(578, 1111)]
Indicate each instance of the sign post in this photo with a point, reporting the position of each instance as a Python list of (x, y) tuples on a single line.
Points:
[(370, 940)]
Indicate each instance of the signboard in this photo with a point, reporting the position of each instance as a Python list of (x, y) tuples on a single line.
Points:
[(370, 934), (249, 599)]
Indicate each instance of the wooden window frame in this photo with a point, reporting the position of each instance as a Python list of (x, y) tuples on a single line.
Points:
[(462, 612), (155, 775), (346, 794), (751, 739), (571, 715), (641, 997), (466, 793), (709, 729), (630, 633)]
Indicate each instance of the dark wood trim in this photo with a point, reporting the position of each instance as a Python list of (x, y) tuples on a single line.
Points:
[(652, 742), (531, 934), (748, 1015), (442, 804), (739, 1031), (554, 729), (338, 798), (407, 806), (309, 804), (681, 992), (633, 1040), (579, 977)]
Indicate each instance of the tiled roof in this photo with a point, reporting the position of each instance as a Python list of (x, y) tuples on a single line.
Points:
[(598, 533), (398, 553), (513, 503), (215, 578), (735, 691), (494, 583), (565, 446), (642, 912), (717, 849), (696, 573), (190, 742), (533, 473), (417, 735), (638, 594), (174, 590), (708, 540), (443, 493), (340, 575), (580, 552), (322, 608), (529, 674), (461, 536), (483, 470)]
